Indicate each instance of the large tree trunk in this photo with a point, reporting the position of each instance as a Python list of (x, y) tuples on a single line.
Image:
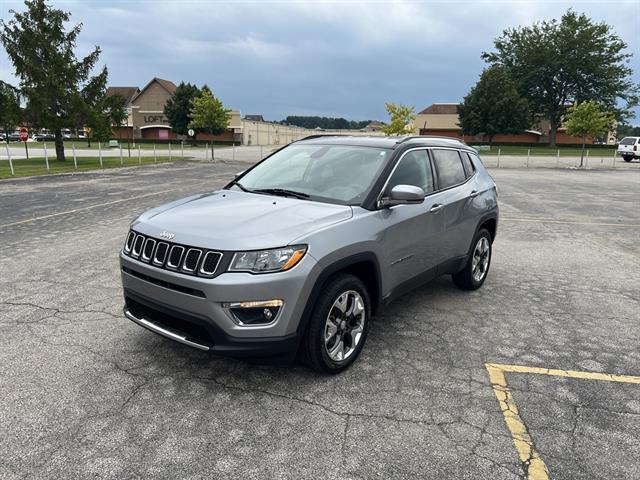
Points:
[(553, 130), (59, 145)]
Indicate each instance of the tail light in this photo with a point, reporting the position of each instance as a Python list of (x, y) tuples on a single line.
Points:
[(635, 148)]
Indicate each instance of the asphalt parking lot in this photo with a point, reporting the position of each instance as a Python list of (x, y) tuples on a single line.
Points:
[(447, 381)]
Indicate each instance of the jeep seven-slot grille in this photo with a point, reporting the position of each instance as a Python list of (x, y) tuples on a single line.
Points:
[(172, 256)]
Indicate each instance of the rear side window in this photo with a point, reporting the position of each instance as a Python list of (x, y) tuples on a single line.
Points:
[(413, 169), (449, 167), (468, 164), (628, 141)]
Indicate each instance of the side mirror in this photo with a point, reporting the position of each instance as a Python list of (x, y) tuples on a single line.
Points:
[(403, 195)]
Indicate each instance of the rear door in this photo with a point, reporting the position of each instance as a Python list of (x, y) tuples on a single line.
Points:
[(456, 187)]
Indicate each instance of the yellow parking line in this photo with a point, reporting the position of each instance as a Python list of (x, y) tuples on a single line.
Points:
[(67, 212), (534, 465), (568, 222)]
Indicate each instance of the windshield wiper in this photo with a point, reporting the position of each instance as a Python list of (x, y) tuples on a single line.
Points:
[(283, 192), (241, 187)]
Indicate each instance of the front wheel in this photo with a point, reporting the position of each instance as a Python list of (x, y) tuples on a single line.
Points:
[(338, 326), (475, 271)]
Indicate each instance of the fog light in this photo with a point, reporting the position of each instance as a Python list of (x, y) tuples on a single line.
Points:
[(254, 312)]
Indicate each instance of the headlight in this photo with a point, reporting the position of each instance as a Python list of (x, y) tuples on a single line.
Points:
[(264, 261)]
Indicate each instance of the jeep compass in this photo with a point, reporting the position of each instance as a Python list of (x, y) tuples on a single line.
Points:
[(298, 252)]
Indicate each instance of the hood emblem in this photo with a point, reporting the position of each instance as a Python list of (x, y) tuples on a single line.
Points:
[(167, 235)]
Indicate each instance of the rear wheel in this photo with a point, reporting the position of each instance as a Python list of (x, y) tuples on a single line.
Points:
[(627, 159), (338, 326), (474, 273)]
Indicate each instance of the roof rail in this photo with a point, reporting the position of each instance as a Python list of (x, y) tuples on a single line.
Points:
[(414, 137), (320, 135)]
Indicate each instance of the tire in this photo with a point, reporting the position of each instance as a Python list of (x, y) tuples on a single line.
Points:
[(321, 349), (480, 248), (627, 159)]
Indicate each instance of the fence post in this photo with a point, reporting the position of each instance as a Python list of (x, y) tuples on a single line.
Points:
[(261, 156), (206, 151), (46, 155), (75, 159), (233, 151), (499, 150), (528, 155), (139, 158), (169, 150), (154, 152), (613, 160), (586, 163), (182, 145), (213, 153), (100, 153), (558, 158), (9, 155), (121, 160)]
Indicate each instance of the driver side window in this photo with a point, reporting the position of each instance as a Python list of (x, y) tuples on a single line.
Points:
[(414, 169)]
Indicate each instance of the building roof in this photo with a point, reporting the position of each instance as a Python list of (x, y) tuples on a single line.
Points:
[(441, 109), (376, 123), (125, 92), (254, 118), (168, 85)]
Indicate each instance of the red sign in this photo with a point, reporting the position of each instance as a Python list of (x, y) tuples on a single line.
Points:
[(24, 134)]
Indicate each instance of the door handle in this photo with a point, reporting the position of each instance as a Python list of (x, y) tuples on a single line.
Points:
[(474, 193), (436, 207)]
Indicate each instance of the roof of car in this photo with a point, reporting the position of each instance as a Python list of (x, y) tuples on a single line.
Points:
[(384, 142)]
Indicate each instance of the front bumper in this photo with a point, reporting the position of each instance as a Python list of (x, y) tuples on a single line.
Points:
[(191, 310)]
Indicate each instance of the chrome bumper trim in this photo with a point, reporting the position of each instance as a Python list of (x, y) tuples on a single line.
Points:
[(162, 331)]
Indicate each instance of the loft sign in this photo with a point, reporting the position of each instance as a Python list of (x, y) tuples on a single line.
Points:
[(155, 119)]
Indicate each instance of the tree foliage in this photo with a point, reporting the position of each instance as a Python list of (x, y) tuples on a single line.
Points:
[(10, 111), (558, 63), (587, 119), (208, 114), (326, 123), (178, 107), (494, 106), (58, 87), (626, 130), (400, 119)]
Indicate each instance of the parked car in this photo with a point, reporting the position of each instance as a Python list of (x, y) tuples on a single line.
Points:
[(44, 137), (298, 252), (628, 148), (14, 137)]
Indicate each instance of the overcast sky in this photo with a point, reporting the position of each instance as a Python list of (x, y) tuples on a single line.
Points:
[(333, 58)]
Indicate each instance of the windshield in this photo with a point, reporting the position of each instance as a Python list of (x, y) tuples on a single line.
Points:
[(333, 173)]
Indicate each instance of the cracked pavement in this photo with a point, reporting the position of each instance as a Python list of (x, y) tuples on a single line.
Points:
[(87, 393)]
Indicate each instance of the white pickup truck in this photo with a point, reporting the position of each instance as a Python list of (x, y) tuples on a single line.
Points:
[(629, 148)]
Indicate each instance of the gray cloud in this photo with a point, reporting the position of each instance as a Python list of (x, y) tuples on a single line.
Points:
[(342, 58)]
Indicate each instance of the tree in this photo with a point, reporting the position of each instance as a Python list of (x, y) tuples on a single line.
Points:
[(556, 64), (208, 113), (53, 81), (626, 130), (400, 119), (10, 111), (494, 106), (587, 119), (178, 107)]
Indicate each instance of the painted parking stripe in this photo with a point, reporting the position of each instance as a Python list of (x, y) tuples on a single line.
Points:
[(533, 464), (568, 222), (67, 212)]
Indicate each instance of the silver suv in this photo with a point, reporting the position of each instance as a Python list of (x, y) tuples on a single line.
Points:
[(298, 252)]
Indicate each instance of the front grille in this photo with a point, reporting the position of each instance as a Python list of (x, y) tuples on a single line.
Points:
[(171, 256)]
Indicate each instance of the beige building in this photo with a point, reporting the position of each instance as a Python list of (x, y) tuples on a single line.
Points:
[(146, 118)]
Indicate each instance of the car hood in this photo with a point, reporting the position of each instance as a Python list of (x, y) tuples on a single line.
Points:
[(229, 220)]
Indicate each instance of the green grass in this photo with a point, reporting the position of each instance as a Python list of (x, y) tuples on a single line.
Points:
[(82, 144), (549, 152), (37, 166)]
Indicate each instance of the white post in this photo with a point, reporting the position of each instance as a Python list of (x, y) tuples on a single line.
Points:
[(528, 155), (558, 158), (499, 150), (206, 151), (154, 152), (9, 155), (586, 163), (182, 144), (46, 155), (233, 152), (139, 158), (121, 160), (100, 153), (213, 153), (75, 159), (261, 157), (613, 159), (169, 150)]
